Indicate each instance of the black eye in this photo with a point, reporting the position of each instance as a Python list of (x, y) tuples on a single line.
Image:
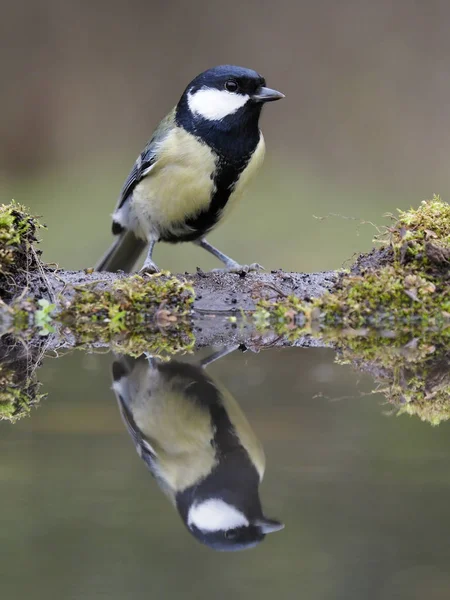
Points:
[(230, 534), (231, 85)]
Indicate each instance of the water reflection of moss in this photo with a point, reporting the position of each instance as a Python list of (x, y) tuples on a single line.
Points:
[(18, 392), (138, 314), (414, 377)]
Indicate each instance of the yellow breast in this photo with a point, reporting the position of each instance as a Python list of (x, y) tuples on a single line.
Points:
[(179, 185), (178, 430)]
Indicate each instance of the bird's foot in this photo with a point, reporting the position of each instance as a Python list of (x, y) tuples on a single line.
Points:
[(149, 268), (240, 269)]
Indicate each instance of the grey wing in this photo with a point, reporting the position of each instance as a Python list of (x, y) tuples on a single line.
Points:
[(143, 446), (123, 369), (146, 159)]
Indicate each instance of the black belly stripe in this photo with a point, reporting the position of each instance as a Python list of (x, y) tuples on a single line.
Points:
[(227, 175), (234, 140)]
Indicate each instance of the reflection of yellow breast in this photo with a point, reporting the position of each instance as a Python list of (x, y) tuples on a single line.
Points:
[(179, 185), (179, 431)]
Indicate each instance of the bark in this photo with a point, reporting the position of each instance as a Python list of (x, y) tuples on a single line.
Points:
[(218, 296), (215, 292)]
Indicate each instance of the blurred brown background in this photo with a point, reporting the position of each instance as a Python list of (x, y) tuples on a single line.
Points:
[(363, 128)]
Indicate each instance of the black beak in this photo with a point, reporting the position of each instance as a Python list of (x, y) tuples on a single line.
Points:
[(265, 94), (269, 525)]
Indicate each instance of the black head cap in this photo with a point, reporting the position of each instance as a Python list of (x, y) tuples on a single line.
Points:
[(240, 538), (225, 94), (232, 540), (229, 78), (234, 80)]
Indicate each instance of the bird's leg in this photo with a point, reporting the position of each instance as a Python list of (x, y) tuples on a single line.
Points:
[(219, 354), (231, 265), (149, 266), (227, 261)]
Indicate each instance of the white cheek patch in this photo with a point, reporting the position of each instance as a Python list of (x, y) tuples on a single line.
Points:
[(214, 105), (216, 515)]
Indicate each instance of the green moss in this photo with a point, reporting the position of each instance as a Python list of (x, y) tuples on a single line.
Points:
[(17, 235), (290, 316), (136, 314), (26, 317), (139, 314), (15, 225), (391, 297), (43, 317), (434, 409), (404, 285), (412, 374), (389, 313), (412, 290), (18, 393), (415, 230)]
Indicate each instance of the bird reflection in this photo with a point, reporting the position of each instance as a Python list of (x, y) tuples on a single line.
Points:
[(199, 446)]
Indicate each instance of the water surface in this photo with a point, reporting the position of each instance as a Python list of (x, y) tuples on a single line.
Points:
[(363, 494)]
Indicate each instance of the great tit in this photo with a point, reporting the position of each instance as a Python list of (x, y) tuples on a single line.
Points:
[(199, 446), (193, 170)]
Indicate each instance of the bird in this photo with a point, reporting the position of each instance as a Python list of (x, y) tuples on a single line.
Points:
[(199, 446), (193, 170)]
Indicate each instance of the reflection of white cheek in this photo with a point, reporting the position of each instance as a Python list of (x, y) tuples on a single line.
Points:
[(214, 105), (216, 515)]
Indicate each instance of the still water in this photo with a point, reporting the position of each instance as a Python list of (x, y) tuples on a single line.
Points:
[(363, 494)]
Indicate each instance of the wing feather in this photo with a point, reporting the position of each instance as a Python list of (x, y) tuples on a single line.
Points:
[(147, 158)]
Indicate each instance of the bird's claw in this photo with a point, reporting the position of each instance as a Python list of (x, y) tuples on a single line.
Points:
[(149, 269), (240, 269)]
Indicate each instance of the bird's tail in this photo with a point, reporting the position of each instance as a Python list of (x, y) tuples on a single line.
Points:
[(123, 253)]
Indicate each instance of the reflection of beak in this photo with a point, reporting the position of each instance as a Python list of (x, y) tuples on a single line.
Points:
[(269, 525), (265, 94)]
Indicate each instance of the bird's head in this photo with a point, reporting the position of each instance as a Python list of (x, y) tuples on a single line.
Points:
[(222, 526), (227, 92)]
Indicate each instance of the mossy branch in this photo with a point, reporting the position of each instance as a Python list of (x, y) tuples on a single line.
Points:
[(389, 315), (402, 287)]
